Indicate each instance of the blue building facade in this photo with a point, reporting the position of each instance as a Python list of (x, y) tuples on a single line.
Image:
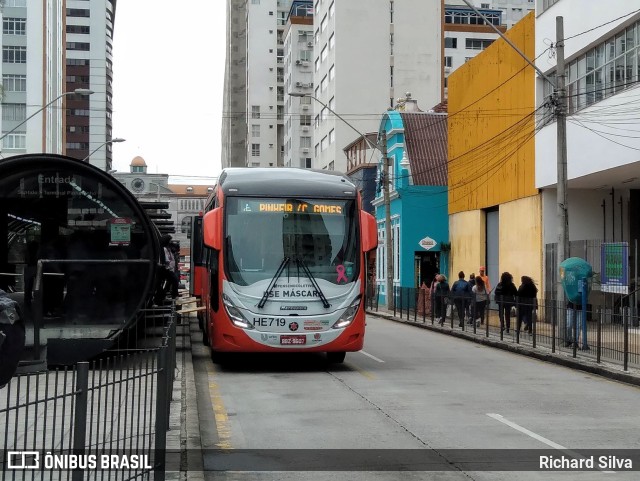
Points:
[(417, 149)]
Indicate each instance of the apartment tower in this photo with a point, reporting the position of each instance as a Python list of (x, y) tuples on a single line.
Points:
[(89, 65)]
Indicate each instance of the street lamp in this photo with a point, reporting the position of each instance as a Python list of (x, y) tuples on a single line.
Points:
[(382, 147), (83, 92), (112, 141)]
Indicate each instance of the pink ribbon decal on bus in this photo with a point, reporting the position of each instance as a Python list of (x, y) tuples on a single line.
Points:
[(341, 276)]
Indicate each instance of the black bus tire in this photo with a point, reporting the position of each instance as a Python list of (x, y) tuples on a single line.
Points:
[(201, 320), (336, 357)]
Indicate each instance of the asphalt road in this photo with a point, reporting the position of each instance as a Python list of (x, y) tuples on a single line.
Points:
[(409, 389)]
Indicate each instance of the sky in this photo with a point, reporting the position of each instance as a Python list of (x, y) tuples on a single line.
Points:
[(168, 85)]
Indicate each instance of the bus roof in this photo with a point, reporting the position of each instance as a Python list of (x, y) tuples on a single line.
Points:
[(286, 182)]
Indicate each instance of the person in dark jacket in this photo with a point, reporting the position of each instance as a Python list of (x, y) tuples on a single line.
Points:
[(461, 293), (527, 302), (470, 305), (442, 297), (505, 295)]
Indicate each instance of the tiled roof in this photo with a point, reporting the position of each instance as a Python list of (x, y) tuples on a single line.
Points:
[(425, 137)]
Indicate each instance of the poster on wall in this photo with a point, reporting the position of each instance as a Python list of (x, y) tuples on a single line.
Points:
[(120, 231), (614, 257)]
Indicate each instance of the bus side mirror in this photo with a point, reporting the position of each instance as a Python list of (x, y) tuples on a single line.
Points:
[(369, 231), (212, 229)]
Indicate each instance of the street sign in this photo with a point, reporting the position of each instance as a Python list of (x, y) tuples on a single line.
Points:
[(427, 243), (614, 257)]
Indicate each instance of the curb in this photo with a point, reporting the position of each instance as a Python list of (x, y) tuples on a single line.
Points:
[(560, 359)]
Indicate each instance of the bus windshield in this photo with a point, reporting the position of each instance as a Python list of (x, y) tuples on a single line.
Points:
[(320, 234)]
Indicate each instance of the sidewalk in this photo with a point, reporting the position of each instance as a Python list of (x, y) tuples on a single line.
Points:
[(184, 428), (585, 360)]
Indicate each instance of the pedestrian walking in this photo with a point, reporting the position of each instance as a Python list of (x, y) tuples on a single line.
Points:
[(442, 298), (470, 302), (432, 294), (505, 296), (481, 297), (485, 278), (527, 302), (460, 293)]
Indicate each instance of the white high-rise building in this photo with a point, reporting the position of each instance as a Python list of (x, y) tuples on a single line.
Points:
[(298, 78), (367, 53), (32, 76), (266, 20)]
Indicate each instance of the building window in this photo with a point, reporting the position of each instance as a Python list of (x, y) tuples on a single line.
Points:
[(396, 253), (332, 9), (450, 42), (305, 142), (447, 61), (331, 166), (317, 149), (255, 130), (14, 26), (86, 29), (14, 112), (323, 144), (477, 43), (14, 83), (332, 72), (332, 103), (307, 162), (255, 111), (323, 54), (323, 84), (332, 137), (12, 54), (305, 120), (84, 46), (332, 41), (78, 12), (15, 140), (255, 2), (255, 150), (317, 64), (15, 3), (323, 24), (78, 145)]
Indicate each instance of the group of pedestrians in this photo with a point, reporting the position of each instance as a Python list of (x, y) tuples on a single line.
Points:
[(471, 297)]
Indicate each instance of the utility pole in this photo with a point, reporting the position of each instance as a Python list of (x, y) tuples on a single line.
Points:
[(561, 118), (386, 185)]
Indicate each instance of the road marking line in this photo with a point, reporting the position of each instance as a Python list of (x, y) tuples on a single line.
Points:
[(219, 411), (542, 439), (371, 356)]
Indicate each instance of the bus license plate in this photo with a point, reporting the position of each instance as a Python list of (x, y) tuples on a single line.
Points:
[(293, 340)]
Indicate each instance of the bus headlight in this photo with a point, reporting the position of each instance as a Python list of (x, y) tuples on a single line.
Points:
[(235, 314), (348, 315)]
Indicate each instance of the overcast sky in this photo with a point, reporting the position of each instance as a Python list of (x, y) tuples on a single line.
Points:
[(168, 82)]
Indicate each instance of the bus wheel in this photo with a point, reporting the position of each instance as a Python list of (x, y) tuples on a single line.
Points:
[(336, 357), (217, 357), (205, 336), (201, 320)]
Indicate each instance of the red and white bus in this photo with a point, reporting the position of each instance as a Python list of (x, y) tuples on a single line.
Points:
[(286, 262)]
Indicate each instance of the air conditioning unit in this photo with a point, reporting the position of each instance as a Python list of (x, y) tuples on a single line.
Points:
[(309, 44), (305, 150), (305, 107), (298, 62), (305, 128), (299, 84)]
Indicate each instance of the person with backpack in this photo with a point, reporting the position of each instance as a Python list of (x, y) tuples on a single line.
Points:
[(527, 303), (442, 297), (460, 293), (505, 296)]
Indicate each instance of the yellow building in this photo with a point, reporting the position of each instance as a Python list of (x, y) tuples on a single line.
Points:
[(495, 215)]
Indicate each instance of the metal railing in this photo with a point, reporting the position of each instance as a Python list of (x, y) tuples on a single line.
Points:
[(606, 332), (115, 405)]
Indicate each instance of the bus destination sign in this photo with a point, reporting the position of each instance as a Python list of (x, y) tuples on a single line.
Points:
[(277, 205)]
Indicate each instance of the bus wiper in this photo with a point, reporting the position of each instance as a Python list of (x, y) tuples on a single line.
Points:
[(275, 278), (301, 262)]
